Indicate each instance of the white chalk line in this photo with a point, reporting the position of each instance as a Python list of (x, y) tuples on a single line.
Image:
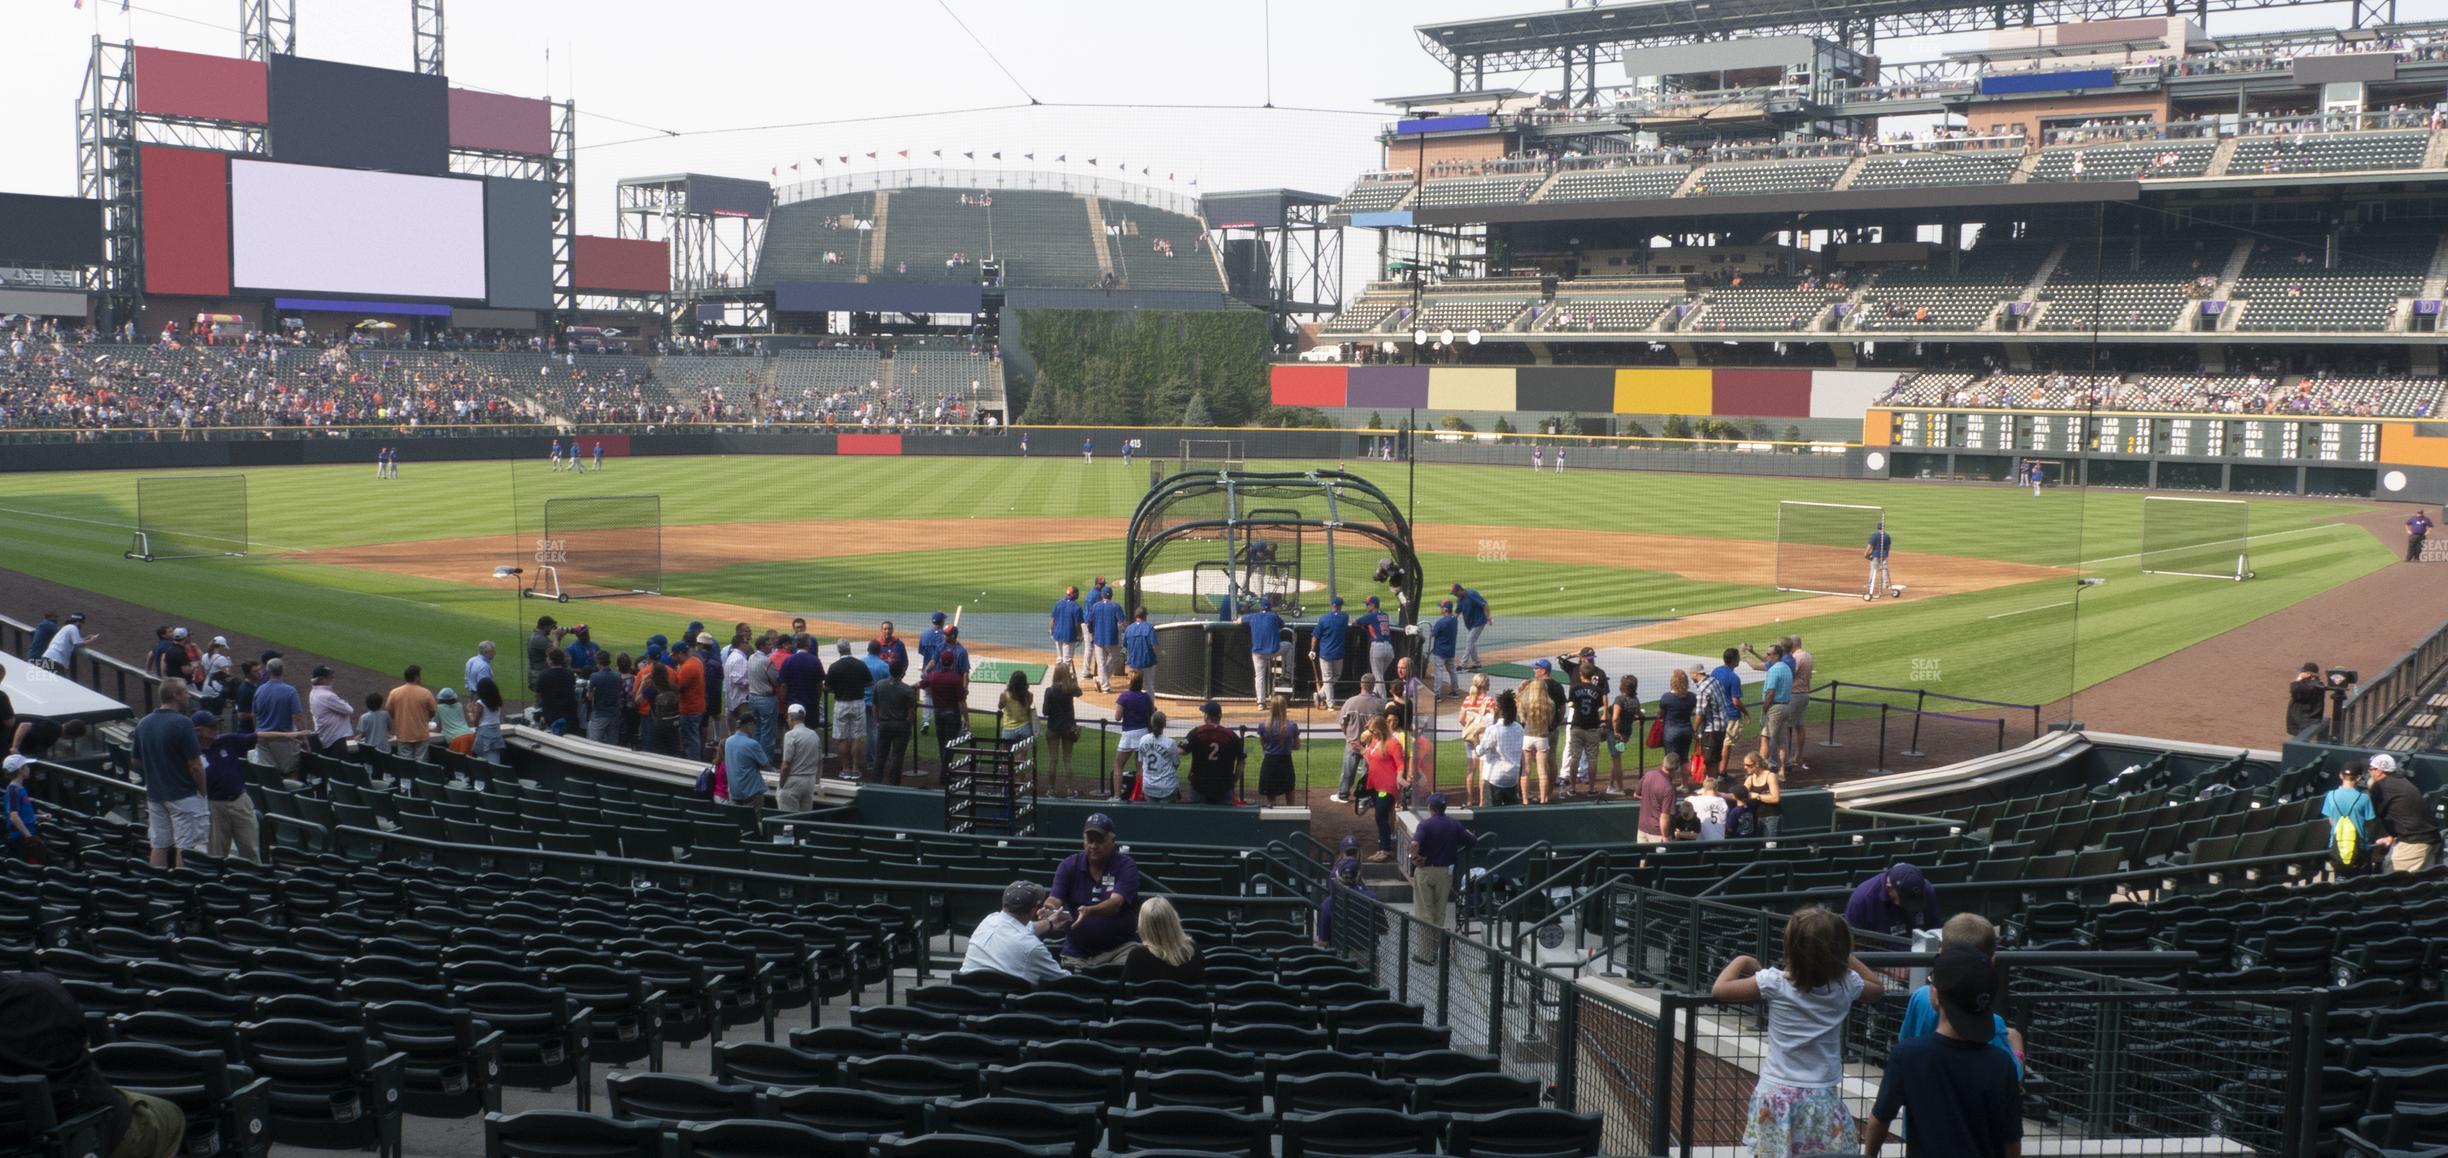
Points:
[(2028, 610), (128, 527), (2247, 538)]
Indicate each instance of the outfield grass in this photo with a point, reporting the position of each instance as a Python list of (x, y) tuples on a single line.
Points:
[(72, 526)]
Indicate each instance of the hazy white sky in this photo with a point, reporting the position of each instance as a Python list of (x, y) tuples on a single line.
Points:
[(852, 77)]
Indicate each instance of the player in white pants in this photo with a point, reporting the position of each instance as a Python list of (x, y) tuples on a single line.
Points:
[(1881, 545)]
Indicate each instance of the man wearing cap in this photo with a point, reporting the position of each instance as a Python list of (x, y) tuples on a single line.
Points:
[(1776, 722), (801, 680), (894, 649), (1139, 650), (168, 659), (802, 763), (1964, 1097), (930, 644), (585, 655), (1327, 641), (744, 761), (1379, 631), (1065, 624), (334, 720), (1354, 720), (1475, 618), (233, 822), (478, 669), (947, 695), (894, 716), (2409, 832), (2418, 528), (955, 651), (1892, 903), (172, 763), (1105, 622), (1437, 845), (277, 709), (1099, 887), (412, 712), (1584, 725), (1216, 754), (1266, 642), (1011, 940), (1442, 636), (849, 679), (46, 1039), (1729, 709), (213, 668), (540, 641), (688, 676), (60, 654)]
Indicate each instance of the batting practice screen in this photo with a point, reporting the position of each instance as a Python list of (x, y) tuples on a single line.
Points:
[(1210, 454), (611, 545), (2201, 537), (190, 517), (1820, 547)]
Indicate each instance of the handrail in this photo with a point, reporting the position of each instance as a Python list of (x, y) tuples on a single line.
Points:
[(1501, 911), (1787, 897), (18, 634)]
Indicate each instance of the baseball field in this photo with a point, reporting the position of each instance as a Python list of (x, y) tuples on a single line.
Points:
[(381, 572)]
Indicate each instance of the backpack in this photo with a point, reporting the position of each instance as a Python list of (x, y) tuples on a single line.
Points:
[(1743, 821), (2346, 837)]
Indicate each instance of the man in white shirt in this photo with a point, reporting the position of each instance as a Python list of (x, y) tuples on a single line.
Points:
[(1012, 941), (802, 763), (64, 644)]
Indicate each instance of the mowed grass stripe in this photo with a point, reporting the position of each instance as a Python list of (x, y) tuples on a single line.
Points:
[(1953, 645)]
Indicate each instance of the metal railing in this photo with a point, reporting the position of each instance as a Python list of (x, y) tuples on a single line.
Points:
[(122, 681), (1831, 694), (992, 177), (2372, 707)]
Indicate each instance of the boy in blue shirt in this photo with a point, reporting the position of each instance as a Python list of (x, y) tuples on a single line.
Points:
[(1964, 1098), (2348, 801)]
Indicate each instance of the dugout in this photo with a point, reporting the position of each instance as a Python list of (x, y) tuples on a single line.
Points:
[(1206, 546)]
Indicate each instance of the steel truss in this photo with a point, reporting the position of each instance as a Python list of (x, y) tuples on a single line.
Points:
[(712, 255)]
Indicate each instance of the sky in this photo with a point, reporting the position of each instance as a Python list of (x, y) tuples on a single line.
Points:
[(748, 87)]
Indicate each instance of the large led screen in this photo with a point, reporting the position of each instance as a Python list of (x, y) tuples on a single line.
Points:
[(316, 230), (38, 230), (354, 117)]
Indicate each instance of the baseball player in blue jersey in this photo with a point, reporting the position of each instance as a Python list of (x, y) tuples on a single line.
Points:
[(599, 456), (1881, 545), (1475, 617), (556, 454), (1065, 623), (1380, 634), (1326, 643)]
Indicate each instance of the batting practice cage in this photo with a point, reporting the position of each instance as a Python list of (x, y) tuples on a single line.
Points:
[(593, 548), (193, 516), (1206, 547), (1820, 547), (2204, 538)]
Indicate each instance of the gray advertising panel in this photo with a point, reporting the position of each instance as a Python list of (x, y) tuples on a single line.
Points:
[(518, 244), (2346, 67)]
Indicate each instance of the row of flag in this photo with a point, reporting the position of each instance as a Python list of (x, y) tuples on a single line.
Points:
[(123, 5), (971, 155)]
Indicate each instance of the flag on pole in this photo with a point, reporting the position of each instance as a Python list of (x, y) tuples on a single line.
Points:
[(938, 154), (1027, 156), (871, 154), (997, 154), (970, 154)]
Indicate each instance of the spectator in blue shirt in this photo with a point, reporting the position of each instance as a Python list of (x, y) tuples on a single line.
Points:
[(2348, 801), (1475, 618), (1139, 646), (1442, 635), (931, 642), (1776, 727), (1326, 645), (278, 709), (745, 762), (1728, 679), (1266, 641), (958, 653), (1105, 638)]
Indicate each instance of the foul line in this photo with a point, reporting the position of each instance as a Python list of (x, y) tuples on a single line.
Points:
[(2028, 610), (2247, 538)]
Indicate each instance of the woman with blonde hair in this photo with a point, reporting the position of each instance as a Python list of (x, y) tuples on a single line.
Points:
[(1164, 951), (1478, 711), (1061, 717)]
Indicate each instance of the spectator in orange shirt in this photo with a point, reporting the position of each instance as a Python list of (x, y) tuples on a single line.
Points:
[(689, 682)]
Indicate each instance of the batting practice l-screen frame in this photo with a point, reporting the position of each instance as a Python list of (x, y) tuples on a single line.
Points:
[(1820, 547), (597, 547), (1210, 454), (2203, 538), (190, 516)]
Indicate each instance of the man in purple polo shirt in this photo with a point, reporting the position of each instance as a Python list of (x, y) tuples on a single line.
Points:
[(1894, 903), (1131, 712), (1437, 844), (1099, 887)]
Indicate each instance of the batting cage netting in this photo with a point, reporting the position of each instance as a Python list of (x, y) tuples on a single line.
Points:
[(1820, 547), (194, 516), (1210, 454), (2206, 538), (590, 548)]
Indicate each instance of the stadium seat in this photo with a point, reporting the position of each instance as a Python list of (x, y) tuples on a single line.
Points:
[(1206, 1088), (1189, 1128), (770, 1066), (569, 1134), (845, 1041), (226, 1106), (749, 1138), (451, 1063), (1531, 1133), (840, 1110), (332, 1088), (1436, 1063), (1360, 1132), (218, 1034), (627, 1021), (547, 1037), (1483, 1093), (912, 1076), (964, 1146), (29, 1124), (1077, 1128), (1319, 1093), (1059, 1083), (963, 1048), (670, 1098)]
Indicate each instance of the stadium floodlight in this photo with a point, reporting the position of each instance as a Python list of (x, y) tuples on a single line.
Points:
[(1445, 337), (1473, 336), (1419, 337)]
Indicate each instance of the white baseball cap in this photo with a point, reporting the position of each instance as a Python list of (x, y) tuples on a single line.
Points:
[(181, 633), (220, 641), (13, 763), (2383, 762)]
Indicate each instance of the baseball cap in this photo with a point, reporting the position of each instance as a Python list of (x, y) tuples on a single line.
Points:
[(1542, 665), (1436, 802), (269, 654), (180, 633), (76, 617), (1372, 601), (204, 719), (1908, 881), (1099, 822), (1444, 604), (321, 671), (706, 638), (799, 710), (1337, 601), (1589, 651), (220, 641), (1351, 843), (447, 696), (2382, 762), (938, 617), (1965, 982), (1211, 709), (1456, 589), (1023, 895), (13, 763)]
